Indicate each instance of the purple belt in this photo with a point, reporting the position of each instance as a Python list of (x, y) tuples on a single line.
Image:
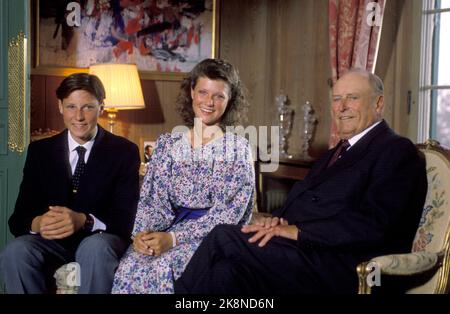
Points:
[(184, 213)]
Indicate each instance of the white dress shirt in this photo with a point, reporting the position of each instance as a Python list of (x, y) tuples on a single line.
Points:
[(352, 141), (73, 159)]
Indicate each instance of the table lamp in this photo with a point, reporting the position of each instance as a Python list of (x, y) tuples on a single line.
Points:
[(122, 86)]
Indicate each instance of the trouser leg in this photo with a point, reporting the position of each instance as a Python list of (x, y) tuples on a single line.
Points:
[(99, 256), (28, 262), (226, 263)]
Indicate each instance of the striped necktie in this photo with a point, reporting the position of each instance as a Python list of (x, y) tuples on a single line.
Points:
[(340, 150)]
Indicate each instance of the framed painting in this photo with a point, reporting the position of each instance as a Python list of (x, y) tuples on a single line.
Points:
[(147, 147), (164, 38)]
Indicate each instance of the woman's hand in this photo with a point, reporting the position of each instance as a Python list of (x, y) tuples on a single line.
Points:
[(152, 243), (140, 245), (159, 242)]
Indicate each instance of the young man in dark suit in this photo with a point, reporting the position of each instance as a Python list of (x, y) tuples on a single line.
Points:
[(361, 199), (77, 200)]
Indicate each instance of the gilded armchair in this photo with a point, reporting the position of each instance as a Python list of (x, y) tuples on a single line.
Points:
[(430, 254)]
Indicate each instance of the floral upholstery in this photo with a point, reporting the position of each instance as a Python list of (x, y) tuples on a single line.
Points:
[(435, 214), (405, 264), (430, 249)]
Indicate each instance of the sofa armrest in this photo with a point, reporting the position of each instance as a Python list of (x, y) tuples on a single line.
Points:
[(408, 264)]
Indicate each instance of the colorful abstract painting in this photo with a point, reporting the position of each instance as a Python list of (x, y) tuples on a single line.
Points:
[(157, 35)]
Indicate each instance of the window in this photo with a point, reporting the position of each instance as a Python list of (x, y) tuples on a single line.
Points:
[(434, 102)]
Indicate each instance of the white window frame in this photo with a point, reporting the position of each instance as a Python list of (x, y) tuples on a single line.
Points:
[(426, 57)]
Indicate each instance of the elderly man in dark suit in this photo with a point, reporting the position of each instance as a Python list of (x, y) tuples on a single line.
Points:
[(361, 199), (77, 200)]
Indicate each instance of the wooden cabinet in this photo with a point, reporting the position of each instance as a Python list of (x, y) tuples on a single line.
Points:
[(273, 187)]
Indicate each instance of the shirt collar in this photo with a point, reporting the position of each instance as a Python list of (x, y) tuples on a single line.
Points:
[(352, 141), (88, 145)]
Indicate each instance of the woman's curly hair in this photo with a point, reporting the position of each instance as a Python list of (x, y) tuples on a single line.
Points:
[(214, 69)]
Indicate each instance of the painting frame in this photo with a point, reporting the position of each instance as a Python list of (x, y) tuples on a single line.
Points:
[(38, 68)]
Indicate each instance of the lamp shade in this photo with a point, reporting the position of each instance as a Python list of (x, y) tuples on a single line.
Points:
[(122, 85)]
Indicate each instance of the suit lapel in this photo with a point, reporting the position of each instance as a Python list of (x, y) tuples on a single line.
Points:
[(98, 152), (301, 186), (59, 162), (60, 155), (354, 154)]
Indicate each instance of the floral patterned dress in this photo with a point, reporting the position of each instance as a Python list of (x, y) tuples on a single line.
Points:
[(218, 175)]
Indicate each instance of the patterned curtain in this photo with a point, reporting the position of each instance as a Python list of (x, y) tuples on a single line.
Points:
[(354, 27)]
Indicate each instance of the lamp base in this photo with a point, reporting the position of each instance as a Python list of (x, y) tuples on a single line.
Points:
[(112, 114)]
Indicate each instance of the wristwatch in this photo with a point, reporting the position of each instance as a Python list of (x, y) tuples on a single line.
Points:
[(89, 223)]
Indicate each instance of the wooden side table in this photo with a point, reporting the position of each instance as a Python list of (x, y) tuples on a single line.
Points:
[(273, 187)]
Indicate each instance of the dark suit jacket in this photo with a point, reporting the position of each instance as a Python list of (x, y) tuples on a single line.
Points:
[(368, 203), (109, 188)]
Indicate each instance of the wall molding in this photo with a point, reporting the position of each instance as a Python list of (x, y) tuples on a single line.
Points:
[(3, 63), (3, 204), (3, 138)]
